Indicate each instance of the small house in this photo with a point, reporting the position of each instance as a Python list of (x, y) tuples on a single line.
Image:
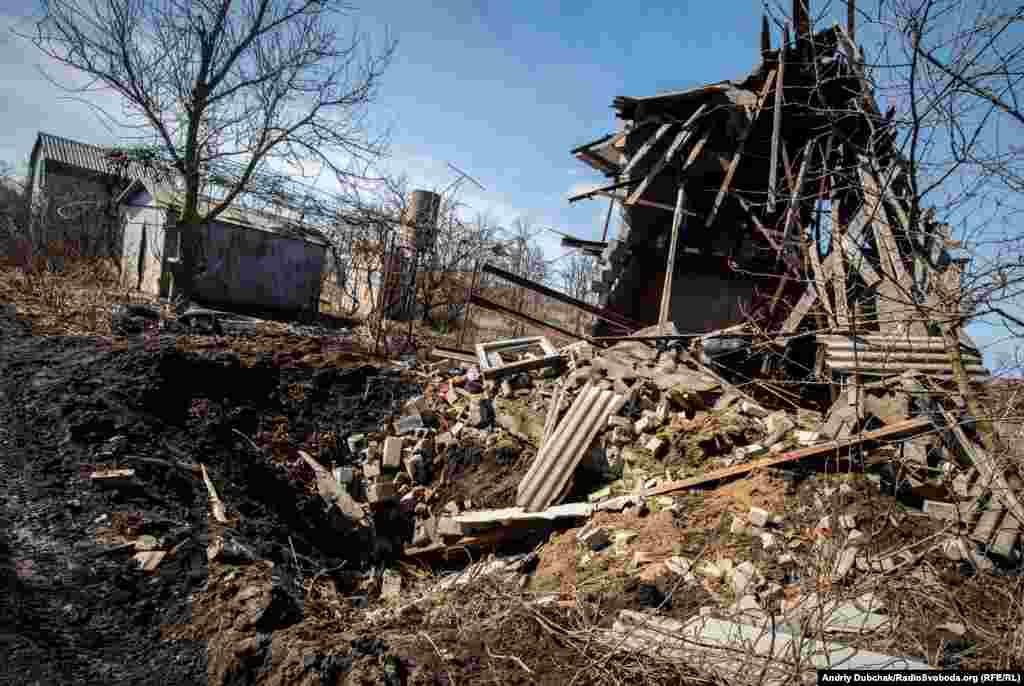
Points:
[(247, 259), (71, 192)]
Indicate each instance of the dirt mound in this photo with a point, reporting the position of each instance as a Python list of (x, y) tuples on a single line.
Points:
[(81, 611)]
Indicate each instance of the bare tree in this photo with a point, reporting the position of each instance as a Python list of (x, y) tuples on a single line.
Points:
[(575, 276), (245, 83), (953, 72)]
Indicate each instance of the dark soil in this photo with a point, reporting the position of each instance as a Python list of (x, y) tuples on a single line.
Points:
[(74, 609)]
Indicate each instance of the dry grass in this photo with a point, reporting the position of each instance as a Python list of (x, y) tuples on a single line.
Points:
[(75, 301)]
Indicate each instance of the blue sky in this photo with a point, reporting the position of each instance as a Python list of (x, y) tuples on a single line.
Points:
[(501, 90)]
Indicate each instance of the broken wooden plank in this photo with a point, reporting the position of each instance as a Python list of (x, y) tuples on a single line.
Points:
[(216, 503), (522, 366), (820, 280), (793, 209), (112, 476), (666, 289), (666, 158), (727, 181), (905, 429), (331, 491), (887, 247)]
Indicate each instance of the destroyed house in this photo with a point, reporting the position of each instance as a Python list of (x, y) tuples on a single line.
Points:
[(248, 259), (779, 199)]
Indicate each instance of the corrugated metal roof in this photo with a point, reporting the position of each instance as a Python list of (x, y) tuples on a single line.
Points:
[(85, 156), (166, 195), (889, 355), (554, 465)]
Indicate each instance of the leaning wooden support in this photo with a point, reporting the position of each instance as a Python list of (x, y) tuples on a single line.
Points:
[(904, 429), (677, 144), (666, 290), (483, 302), (793, 209)]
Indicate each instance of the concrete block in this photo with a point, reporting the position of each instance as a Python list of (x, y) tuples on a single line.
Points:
[(344, 475), (392, 452), (644, 425), (758, 517), (768, 541), (622, 422), (656, 446)]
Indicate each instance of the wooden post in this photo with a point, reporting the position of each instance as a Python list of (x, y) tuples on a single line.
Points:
[(777, 123), (666, 292), (851, 19), (607, 219)]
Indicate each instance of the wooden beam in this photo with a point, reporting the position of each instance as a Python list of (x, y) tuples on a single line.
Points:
[(483, 302), (680, 139), (727, 181), (647, 147), (904, 429), (851, 19), (777, 125), (607, 219), (603, 189), (839, 273), (820, 280), (666, 290), (792, 210), (601, 313)]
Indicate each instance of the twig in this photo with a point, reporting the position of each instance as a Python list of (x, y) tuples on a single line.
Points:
[(439, 655), (508, 657), (251, 442), (295, 557)]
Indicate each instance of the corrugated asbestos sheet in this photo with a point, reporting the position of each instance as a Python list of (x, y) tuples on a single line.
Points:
[(554, 465), (888, 355)]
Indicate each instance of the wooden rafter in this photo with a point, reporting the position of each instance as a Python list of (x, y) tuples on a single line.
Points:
[(647, 147), (680, 140), (739, 150)]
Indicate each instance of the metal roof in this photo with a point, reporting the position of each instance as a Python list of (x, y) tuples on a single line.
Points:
[(166, 195), (890, 355), (557, 459), (84, 156)]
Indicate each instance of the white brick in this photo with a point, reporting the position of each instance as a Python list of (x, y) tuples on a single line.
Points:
[(758, 517)]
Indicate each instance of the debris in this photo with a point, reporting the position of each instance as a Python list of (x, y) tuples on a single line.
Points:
[(911, 427), (759, 517), (113, 476)]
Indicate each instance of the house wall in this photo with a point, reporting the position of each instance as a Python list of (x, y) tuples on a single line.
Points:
[(143, 232), (96, 230)]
